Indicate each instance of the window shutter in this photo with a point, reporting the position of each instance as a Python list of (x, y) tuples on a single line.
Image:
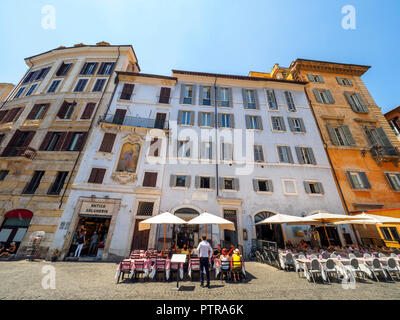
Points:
[(87, 113), (60, 142), (311, 155), (255, 91), (172, 180), (350, 180), (218, 97), (321, 188), (282, 121), (200, 119), (192, 116), (43, 113), (230, 97), (317, 95), (383, 137), (187, 181), (232, 120), (108, 142), (310, 77), (81, 142), (194, 94), (259, 123), (182, 93), (201, 95), (280, 153), (34, 111), (219, 120), (363, 105), (63, 110), (67, 141), (330, 97), (389, 179), (212, 95), (290, 101), (100, 175), (299, 156), (212, 119), (245, 103), (255, 185), (365, 180), (339, 80), (165, 94), (236, 184), (332, 135), (221, 183), (197, 182), (350, 101), (212, 182), (349, 137), (28, 139), (320, 79), (180, 114), (46, 141), (289, 154), (307, 187), (270, 186), (303, 127), (350, 82), (93, 178), (247, 121), (127, 91), (291, 125)]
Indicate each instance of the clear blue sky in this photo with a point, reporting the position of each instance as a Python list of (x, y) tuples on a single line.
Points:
[(223, 36)]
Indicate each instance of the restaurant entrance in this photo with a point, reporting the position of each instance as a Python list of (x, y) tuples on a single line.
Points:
[(140, 238), (96, 229), (268, 232), (332, 234), (185, 234)]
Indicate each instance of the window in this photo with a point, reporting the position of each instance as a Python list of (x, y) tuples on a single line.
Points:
[(358, 180), (108, 142), (145, 208), (253, 122), (188, 94), (11, 115), (285, 154), (31, 89), (19, 92), (127, 91), (395, 234), (52, 141), (77, 136), (206, 150), (344, 81), (165, 94), (36, 75), (88, 111), (54, 85), (305, 155), (278, 124), (250, 99), (224, 97), (386, 233), (184, 149), (227, 151), (315, 78), (180, 181), (204, 182), (289, 187), (150, 179), (3, 174), (296, 125), (106, 68), (341, 135), (63, 141), (38, 112), (66, 110), (206, 96), (272, 105), (185, 118), (97, 175), (89, 68), (63, 69), (313, 187), (356, 102), (58, 184), (377, 137), (18, 143), (205, 119), (394, 180), (99, 85), (228, 183), (395, 125), (262, 185), (34, 183), (225, 120), (258, 153), (289, 101), (81, 84), (323, 96)]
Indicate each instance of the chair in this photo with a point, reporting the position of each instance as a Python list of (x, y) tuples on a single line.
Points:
[(139, 268), (315, 269), (381, 255), (325, 255), (354, 268), (300, 266), (352, 256), (333, 256), (330, 268), (392, 268), (195, 267), (160, 265), (313, 256), (225, 269), (289, 262), (125, 268), (376, 268)]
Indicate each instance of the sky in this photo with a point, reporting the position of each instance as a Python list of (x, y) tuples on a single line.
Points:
[(217, 36)]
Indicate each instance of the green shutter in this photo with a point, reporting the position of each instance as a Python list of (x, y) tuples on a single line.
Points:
[(363, 105), (310, 77), (236, 184), (282, 121), (383, 137), (289, 152), (194, 88), (330, 97), (332, 135), (365, 180), (317, 95), (212, 119), (230, 97), (200, 119), (219, 120), (232, 120), (197, 182), (212, 182), (349, 137), (299, 155), (187, 181), (350, 101), (350, 180)]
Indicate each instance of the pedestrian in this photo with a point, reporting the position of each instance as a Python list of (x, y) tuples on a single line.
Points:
[(93, 243), (204, 251), (81, 241)]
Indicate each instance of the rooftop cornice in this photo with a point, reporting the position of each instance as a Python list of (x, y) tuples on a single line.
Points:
[(329, 67), (146, 75)]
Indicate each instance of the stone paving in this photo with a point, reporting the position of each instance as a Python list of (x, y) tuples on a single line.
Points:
[(80, 280)]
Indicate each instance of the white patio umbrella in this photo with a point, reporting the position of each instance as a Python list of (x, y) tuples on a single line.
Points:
[(281, 218), (163, 218), (208, 218)]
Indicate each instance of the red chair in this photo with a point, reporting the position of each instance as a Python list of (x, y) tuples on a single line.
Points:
[(125, 268), (160, 265), (139, 268), (174, 267), (195, 267)]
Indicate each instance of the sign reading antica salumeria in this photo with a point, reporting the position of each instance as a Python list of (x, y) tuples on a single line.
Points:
[(97, 208)]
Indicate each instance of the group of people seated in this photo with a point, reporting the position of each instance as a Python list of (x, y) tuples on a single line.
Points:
[(7, 251)]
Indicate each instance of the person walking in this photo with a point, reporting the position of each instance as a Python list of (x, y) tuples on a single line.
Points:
[(204, 251), (93, 243), (81, 241)]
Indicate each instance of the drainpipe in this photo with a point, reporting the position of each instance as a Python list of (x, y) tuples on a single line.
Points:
[(90, 128), (330, 163), (216, 137)]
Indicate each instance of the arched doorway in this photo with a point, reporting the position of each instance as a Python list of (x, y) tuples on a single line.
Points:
[(14, 226), (268, 232), (187, 233)]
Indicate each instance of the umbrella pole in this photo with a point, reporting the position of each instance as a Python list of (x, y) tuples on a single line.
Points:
[(326, 233), (206, 232), (165, 235)]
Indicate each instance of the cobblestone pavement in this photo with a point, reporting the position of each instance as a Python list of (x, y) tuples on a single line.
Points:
[(79, 280)]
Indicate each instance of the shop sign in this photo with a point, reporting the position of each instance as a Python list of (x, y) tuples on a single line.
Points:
[(97, 208)]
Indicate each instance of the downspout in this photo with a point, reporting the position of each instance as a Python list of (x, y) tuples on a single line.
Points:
[(89, 131), (216, 137), (330, 163)]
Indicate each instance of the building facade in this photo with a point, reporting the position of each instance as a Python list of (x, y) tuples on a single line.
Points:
[(362, 148), (393, 117), (44, 124), (243, 148), (5, 89)]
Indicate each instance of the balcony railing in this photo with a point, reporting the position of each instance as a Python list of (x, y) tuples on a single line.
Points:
[(134, 121), (377, 151)]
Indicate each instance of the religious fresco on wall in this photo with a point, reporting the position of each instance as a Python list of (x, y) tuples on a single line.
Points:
[(129, 157)]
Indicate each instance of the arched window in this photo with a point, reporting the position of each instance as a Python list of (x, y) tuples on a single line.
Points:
[(14, 226), (262, 216), (128, 159)]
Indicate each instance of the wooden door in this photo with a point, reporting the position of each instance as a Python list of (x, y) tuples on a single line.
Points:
[(119, 116), (160, 120), (140, 238)]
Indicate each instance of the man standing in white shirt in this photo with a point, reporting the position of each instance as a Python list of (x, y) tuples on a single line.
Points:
[(204, 251)]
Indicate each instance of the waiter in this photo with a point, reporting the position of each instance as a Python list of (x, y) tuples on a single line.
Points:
[(204, 251)]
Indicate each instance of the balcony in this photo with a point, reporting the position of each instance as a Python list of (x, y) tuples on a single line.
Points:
[(385, 154), (134, 122), (26, 152)]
